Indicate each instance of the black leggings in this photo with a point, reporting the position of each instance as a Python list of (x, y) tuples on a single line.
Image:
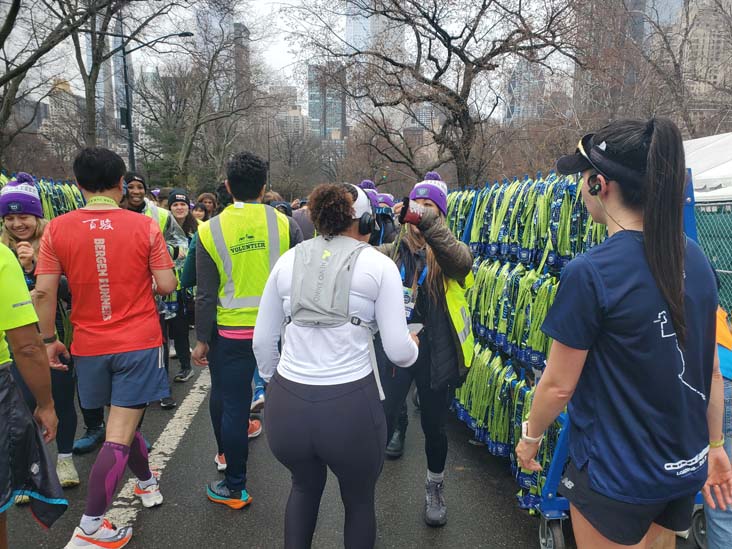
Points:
[(177, 330), (434, 406), (63, 388), (312, 428)]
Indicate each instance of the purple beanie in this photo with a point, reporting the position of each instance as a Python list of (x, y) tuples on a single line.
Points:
[(367, 184), (373, 197), (435, 190), (385, 198), (20, 196), (432, 176)]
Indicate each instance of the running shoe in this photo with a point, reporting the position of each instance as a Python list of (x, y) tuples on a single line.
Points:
[(255, 428), (108, 537), (168, 403), (184, 375), (22, 499), (91, 439), (172, 353), (150, 496), (258, 400), (220, 461), (67, 474), (218, 492)]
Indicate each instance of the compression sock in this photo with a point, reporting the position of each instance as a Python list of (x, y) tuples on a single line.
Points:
[(435, 477), (105, 475), (138, 462), (90, 524)]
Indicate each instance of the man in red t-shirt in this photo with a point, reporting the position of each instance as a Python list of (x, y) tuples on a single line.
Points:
[(110, 257)]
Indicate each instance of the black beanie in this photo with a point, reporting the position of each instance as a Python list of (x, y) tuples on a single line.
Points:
[(178, 195), (133, 176)]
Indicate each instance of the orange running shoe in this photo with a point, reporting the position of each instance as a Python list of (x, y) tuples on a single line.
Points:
[(218, 492), (255, 428), (107, 537)]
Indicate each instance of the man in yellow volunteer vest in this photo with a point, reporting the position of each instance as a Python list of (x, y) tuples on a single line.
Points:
[(235, 253)]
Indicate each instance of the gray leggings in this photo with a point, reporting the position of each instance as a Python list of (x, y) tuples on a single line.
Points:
[(312, 428)]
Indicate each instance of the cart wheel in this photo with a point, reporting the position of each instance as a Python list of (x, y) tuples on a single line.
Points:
[(551, 535), (699, 528)]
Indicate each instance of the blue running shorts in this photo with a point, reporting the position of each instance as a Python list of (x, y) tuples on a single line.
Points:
[(126, 379)]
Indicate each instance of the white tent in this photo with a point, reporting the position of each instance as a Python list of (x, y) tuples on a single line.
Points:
[(718, 195), (710, 160)]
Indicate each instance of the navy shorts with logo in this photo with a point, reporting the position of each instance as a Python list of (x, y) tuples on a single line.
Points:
[(123, 379), (621, 522)]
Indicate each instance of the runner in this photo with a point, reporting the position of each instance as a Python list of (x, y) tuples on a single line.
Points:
[(23, 225), (301, 215), (177, 244), (634, 351), (235, 253), (325, 376), (25, 466), (385, 231), (199, 212), (719, 521), (435, 270), (179, 301), (110, 257), (209, 202)]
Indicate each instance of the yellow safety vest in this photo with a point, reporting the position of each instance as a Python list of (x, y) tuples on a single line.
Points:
[(457, 308), (245, 241), (160, 215)]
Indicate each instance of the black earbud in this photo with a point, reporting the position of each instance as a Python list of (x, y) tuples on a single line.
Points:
[(596, 188)]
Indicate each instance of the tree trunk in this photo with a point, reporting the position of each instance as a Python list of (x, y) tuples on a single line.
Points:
[(90, 115)]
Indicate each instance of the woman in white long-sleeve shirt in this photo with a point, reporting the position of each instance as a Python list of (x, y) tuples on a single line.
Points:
[(323, 405)]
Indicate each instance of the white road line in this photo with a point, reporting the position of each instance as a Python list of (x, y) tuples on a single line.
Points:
[(125, 508)]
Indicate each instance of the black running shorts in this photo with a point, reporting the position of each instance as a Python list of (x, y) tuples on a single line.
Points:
[(621, 522)]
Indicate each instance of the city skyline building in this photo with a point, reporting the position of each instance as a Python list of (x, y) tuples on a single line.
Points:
[(525, 91), (326, 103)]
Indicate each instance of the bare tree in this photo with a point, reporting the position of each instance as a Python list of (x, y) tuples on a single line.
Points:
[(677, 49), (448, 59), (29, 31), (200, 105), (92, 45)]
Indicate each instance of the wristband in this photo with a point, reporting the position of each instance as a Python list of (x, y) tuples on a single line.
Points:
[(525, 434), (49, 340), (716, 443)]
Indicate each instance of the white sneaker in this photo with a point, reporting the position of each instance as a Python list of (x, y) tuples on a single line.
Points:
[(107, 536), (171, 351), (150, 496), (66, 471), (220, 461)]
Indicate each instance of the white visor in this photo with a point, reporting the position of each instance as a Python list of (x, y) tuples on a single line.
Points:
[(362, 204)]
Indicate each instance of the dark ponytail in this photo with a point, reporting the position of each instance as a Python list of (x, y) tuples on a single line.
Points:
[(655, 150), (663, 217)]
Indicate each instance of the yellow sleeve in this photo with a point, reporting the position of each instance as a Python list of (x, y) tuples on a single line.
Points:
[(16, 308)]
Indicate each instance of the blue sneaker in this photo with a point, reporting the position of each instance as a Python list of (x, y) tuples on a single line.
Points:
[(258, 400), (89, 442), (218, 492)]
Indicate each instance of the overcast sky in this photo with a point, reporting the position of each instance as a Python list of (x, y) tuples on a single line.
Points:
[(274, 48)]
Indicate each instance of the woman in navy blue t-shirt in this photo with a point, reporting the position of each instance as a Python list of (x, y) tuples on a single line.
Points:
[(634, 351)]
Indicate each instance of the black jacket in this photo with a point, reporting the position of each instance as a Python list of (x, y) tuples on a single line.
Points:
[(439, 338)]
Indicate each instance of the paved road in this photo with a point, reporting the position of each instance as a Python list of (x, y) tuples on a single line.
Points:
[(480, 494)]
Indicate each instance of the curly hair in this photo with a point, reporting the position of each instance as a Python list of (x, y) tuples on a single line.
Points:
[(247, 175), (331, 208)]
